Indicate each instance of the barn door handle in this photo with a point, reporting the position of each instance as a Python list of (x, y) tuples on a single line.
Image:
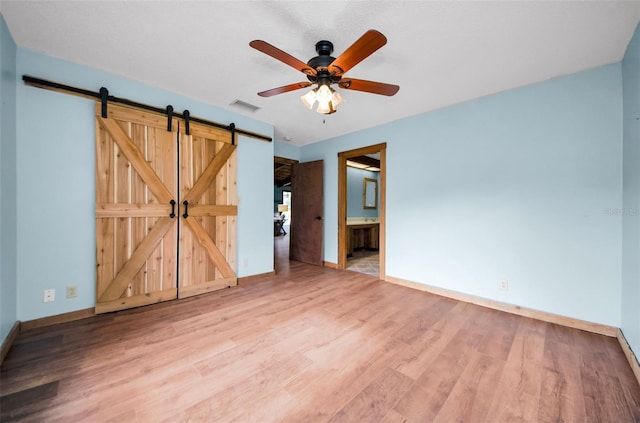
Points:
[(173, 209), (186, 209)]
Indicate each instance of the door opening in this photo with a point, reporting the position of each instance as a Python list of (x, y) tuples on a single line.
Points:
[(282, 169), (362, 228), (286, 200)]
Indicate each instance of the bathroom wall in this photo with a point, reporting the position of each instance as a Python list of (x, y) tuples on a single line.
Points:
[(355, 178)]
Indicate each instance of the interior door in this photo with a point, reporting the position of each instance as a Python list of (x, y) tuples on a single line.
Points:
[(208, 211), (136, 235), (307, 205)]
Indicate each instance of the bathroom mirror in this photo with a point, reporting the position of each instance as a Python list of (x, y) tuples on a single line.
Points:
[(370, 194)]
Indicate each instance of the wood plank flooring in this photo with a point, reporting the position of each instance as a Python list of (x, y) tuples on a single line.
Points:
[(314, 344)]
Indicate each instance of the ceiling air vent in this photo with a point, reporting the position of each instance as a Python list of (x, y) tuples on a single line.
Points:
[(244, 105)]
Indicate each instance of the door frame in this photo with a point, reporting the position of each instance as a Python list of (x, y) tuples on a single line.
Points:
[(342, 202)]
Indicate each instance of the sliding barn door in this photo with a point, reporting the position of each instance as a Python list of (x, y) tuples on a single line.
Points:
[(208, 211), (136, 236), (147, 180)]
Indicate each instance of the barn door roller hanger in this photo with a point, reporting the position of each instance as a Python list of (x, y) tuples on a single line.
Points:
[(104, 97)]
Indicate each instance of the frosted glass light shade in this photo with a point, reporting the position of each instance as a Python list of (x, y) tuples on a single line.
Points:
[(336, 99), (324, 107), (309, 98), (324, 94), (328, 99)]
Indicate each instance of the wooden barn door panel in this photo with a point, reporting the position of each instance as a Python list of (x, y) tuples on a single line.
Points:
[(208, 219), (136, 179)]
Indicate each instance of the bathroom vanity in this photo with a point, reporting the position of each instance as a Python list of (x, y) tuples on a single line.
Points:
[(362, 233)]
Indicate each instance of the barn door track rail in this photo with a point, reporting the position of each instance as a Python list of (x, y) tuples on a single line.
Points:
[(104, 97)]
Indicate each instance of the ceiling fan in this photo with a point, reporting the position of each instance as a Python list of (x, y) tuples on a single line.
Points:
[(325, 70)]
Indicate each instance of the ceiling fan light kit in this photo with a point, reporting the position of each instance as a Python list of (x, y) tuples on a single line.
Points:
[(328, 99), (325, 70)]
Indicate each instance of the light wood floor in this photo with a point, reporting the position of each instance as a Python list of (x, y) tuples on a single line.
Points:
[(313, 345)]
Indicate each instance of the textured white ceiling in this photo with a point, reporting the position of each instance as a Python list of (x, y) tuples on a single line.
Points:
[(439, 52)]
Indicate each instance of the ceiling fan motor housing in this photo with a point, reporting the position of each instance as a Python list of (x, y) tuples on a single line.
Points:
[(320, 63)]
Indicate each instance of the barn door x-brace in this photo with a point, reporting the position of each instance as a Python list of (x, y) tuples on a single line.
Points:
[(165, 208)]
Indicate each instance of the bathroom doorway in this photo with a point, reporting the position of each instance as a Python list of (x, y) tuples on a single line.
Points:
[(361, 227)]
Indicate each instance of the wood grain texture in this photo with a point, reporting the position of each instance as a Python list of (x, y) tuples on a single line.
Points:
[(136, 173), (137, 160), (137, 240), (208, 234), (382, 230), (258, 277), (8, 341), (316, 344), (132, 210), (57, 319), (136, 300), (138, 258), (207, 176), (213, 210), (307, 201), (214, 254), (630, 356)]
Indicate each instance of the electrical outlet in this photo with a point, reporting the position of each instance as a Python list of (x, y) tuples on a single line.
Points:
[(72, 291), (49, 295), (245, 263), (503, 285)]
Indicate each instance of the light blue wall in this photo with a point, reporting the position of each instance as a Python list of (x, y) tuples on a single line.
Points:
[(631, 195), (289, 151), (55, 158), (8, 193), (514, 186), (355, 178), (255, 217)]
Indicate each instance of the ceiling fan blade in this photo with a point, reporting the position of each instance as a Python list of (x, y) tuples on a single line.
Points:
[(280, 55), (285, 89), (368, 86), (366, 45)]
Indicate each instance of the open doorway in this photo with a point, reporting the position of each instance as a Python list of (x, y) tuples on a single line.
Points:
[(361, 226), (287, 211), (282, 211)]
